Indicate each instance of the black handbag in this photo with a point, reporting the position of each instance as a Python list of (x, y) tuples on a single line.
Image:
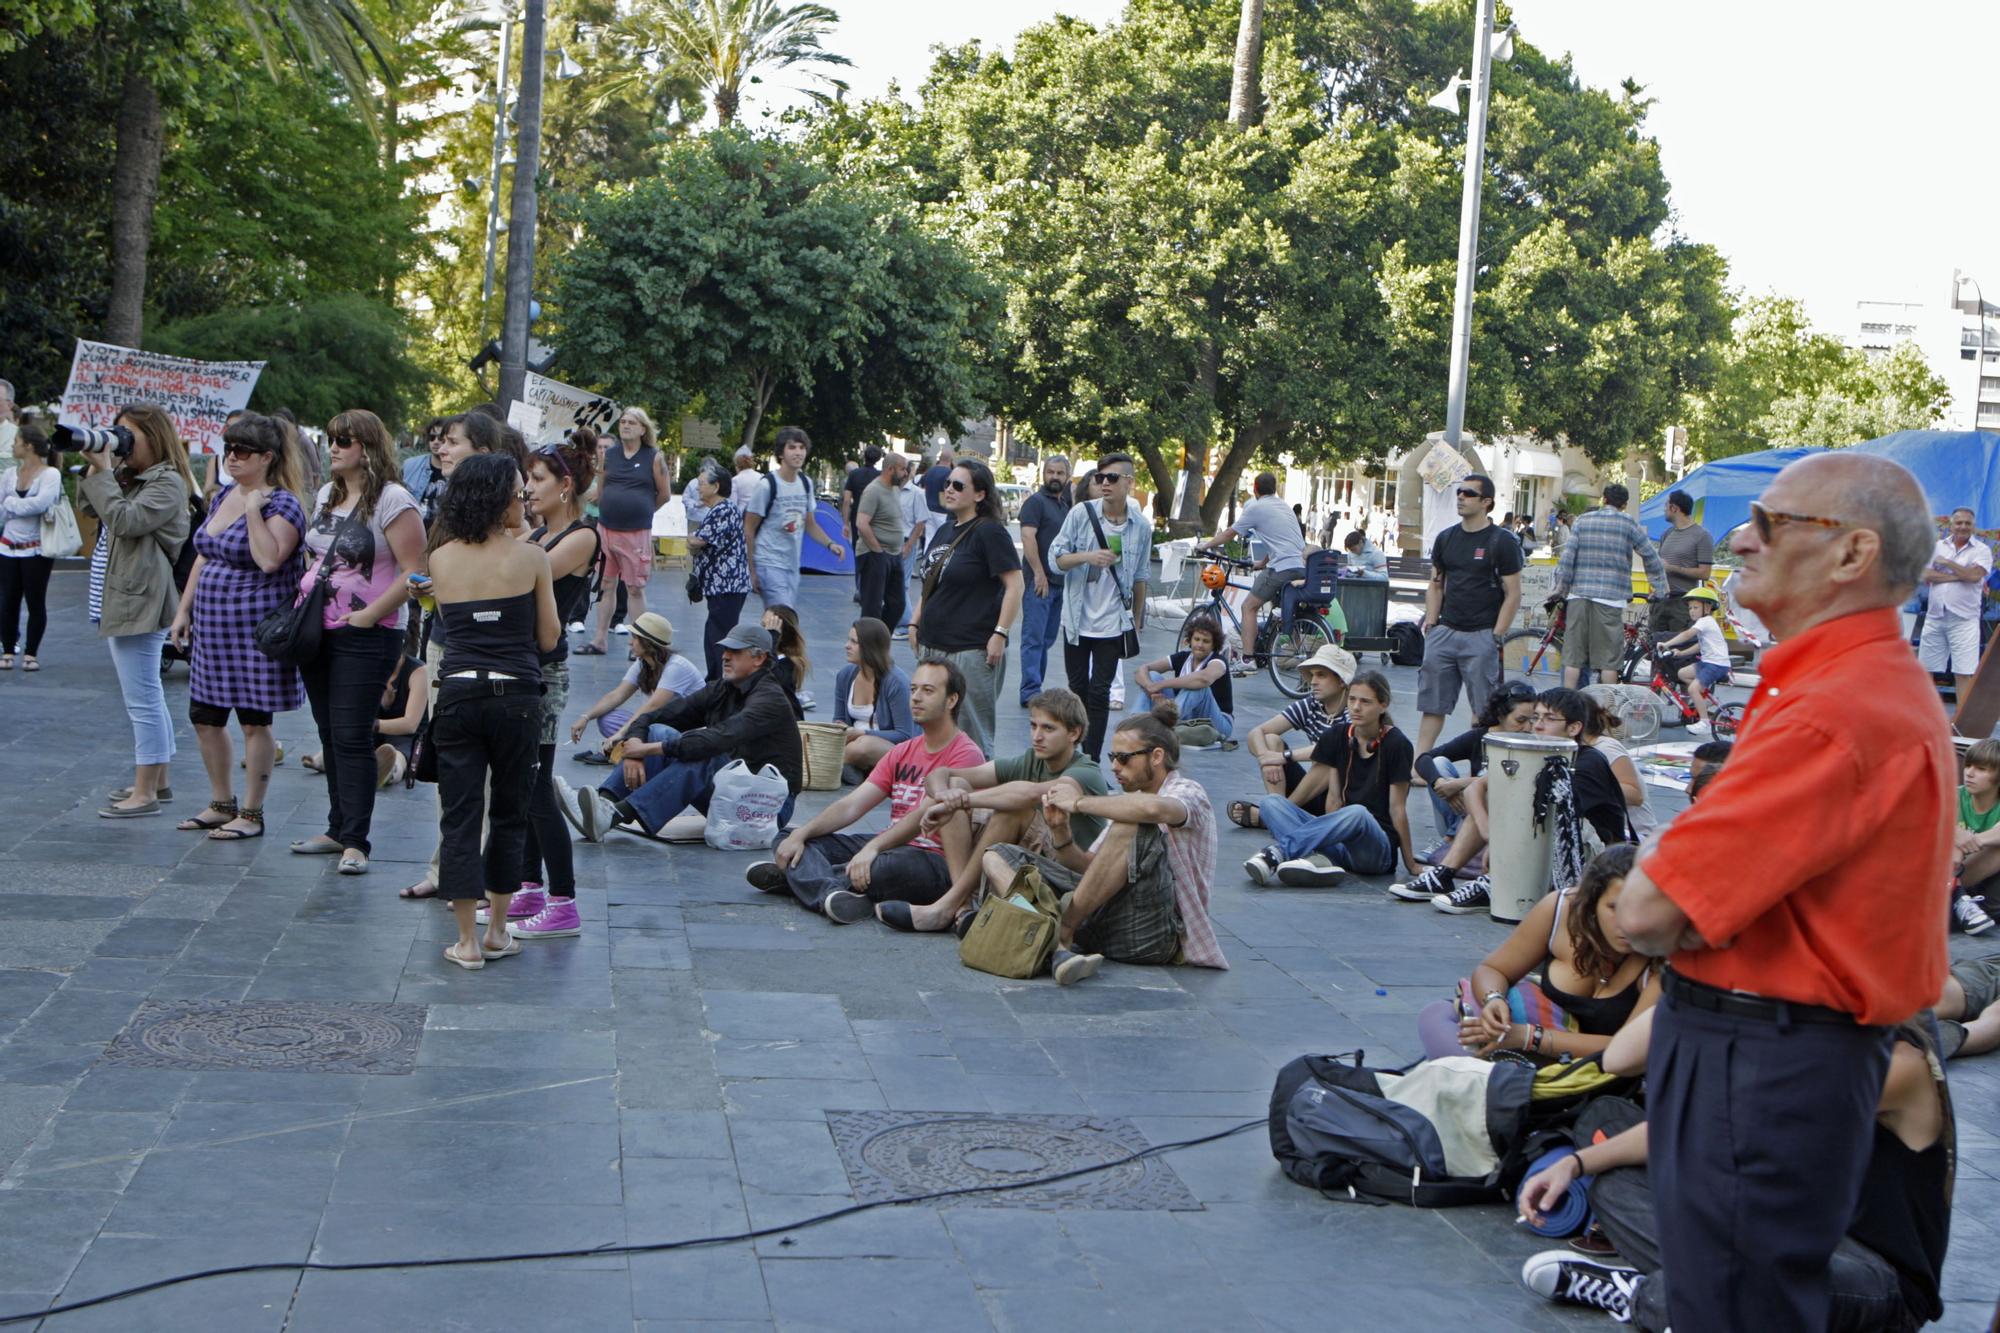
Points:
[(693, 588), (291, 634), (1128, 643)]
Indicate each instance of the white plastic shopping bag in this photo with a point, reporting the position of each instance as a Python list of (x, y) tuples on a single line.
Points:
[(743, 813)]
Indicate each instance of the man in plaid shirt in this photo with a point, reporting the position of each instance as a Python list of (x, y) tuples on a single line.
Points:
[(1595, 574)]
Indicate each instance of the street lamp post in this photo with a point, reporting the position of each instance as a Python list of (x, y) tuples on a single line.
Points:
[(1468, 213), (1959, 281), (499, 151), (521, 226)]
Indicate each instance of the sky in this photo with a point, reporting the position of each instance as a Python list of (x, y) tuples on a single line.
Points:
[(1833, 161)]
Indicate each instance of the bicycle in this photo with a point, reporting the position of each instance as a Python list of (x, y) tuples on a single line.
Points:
[(1723, 718), (1289, 632), (1535, 655)]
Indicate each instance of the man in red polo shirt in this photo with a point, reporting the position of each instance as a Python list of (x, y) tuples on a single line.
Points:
[(1801, 904)]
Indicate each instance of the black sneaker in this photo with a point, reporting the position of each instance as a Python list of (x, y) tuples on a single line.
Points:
[(1263, 867), (844, 907), (766, 875), (1424, 888), (1070, 968), (1562, 1277), (1466, 898), (1967, 915)]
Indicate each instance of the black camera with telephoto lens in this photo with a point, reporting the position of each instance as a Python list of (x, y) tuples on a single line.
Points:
[(95, 439)]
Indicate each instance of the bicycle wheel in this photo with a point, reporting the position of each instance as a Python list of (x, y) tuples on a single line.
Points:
[(1522, 657), (1295, 642), (1725, 719)]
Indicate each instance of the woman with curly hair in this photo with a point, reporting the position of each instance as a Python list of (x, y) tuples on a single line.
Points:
[(497, 598), (1561, 984), (367, 534)]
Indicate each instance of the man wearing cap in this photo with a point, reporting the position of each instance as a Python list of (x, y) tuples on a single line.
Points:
[(1327, 673), (1468, 606), (746, 715)]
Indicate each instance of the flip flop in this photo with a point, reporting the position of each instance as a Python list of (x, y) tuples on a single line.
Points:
[(411, 891), (472, 966), (234, 834), (30, 664), (1243, 814), (513, 947)]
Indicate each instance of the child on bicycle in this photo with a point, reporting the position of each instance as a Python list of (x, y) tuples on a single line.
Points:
[(1710, 666)]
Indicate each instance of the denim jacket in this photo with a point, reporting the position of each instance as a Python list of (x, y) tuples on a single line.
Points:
[(1078, 534), (890, 717)]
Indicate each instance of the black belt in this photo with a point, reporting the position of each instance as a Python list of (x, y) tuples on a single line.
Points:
[(1697, 995), (484, 682)]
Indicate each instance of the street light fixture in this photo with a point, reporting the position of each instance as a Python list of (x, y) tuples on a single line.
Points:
[(1487, 46)]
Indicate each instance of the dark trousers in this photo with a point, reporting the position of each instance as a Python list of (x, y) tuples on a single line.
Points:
[(1759, 1134), (725, 609), (344, 686), (899, 875), (1091, 665), (485, 740), (880, 575), (547, 845), (1669, 618), (24, 578)]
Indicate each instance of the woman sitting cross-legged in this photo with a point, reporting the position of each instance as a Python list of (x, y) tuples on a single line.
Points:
[(1364, 769), (497, 601), (657, 676), (1561, 984), (871, 697)]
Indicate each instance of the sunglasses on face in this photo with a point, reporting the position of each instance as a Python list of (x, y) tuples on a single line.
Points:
[(1126, 756), (956, 485), (1112, 478), (341, 441), (1768, 521), (1472, 492), (243, 450)]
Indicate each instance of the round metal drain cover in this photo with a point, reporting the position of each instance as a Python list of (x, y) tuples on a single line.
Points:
[(899, 1154), (272, 1034)]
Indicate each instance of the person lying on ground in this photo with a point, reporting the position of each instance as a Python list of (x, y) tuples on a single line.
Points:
[(1599, 800), (1363, 770), (1006, 795), (1281, 767), (747, 715), (1886, 1271), (871, 698), (657, 671), (1572, 976), (1139, 894), (1450, 768), (1195, 680), (842, 874)]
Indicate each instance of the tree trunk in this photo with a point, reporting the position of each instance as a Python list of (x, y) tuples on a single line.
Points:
[(135, 185), (1207, 376), (726, 100), (1163, 478), (1246, 89), (760, 397), (1241, 450)]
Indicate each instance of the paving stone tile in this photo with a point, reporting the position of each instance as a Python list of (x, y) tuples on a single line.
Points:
[(785, 1058), (998, 1055), (1013, 1247), (541, 1051), (117, 974), (798, 1098), (43, 1235), (277, 1127), (723, 1283), (416, 1229), (649, 1133), (221, 1178), (22, 991), (782, 1157), (26, 1062), (511, 1096), (86, 1150), (774, 1015), (899, 1293), (150, 937), (76, 1017), (914, 1232), (388, 1161), (470, 1297), (681, 1199), (245, 1303)]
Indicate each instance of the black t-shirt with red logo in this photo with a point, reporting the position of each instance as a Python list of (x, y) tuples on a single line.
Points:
[(1473, 564)]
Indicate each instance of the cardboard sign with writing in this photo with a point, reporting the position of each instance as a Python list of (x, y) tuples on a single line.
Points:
[(198, 395), (565, 407)]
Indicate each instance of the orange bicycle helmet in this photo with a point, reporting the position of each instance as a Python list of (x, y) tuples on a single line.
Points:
[(1214, 576)]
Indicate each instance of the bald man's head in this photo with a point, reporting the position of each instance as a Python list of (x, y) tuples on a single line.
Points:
[(1871, 553)]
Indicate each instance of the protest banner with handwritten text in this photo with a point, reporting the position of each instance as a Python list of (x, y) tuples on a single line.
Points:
[(198, 395), (565, 407)]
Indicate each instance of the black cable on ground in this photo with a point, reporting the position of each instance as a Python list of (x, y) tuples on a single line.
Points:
[(657, 1247)]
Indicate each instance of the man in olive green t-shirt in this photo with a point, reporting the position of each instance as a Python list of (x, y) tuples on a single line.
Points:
[(1011, 790)]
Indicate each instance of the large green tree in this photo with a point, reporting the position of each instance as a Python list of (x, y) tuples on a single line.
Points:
[(747, 278), (722, 45)]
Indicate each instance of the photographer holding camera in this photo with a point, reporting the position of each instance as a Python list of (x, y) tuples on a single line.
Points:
[(137, 482)]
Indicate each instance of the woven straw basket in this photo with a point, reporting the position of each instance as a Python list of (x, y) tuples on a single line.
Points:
[(825, 746)]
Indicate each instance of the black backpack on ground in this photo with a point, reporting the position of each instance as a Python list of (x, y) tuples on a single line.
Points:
[(1409, 649)]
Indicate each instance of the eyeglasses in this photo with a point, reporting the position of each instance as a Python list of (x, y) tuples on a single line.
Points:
[(243, 450), (1111, 478), (954, 484), (522, 495), (1473, 492), (1127, 756), (341, 441), (1768, 521)]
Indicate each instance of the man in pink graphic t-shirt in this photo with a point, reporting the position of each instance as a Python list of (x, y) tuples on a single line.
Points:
[(843, 875)]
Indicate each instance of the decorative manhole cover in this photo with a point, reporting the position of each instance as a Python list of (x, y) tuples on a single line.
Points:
[(897, 1154), (271, 1034)]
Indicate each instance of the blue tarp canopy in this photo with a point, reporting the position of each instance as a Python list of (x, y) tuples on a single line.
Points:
[(1955, 467), (816, 559)]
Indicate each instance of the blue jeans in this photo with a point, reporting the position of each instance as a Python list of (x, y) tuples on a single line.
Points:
[(1349, 836), (136, 659), (1041, 623), (673, 785), (1443, 816), (1200, 706)]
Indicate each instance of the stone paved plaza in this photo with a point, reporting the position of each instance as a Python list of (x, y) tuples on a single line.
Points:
[(693, 1065)]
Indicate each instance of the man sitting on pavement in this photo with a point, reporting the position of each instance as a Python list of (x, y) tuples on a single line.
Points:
[(746, 715), (1140, 893), (1010, 792), (1327, 673), (842, 875)]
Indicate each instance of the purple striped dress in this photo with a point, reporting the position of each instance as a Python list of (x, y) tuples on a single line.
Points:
[(231, 596)]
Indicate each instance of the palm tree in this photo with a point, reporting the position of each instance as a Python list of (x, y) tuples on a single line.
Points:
[(313, 34), (723, 44)]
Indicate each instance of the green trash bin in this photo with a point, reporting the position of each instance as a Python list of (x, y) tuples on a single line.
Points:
[(1365, 603)]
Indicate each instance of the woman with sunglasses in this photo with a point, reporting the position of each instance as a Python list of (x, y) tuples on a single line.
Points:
[(1103, 551), (248, 563), (971, 595), (366, 533)]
